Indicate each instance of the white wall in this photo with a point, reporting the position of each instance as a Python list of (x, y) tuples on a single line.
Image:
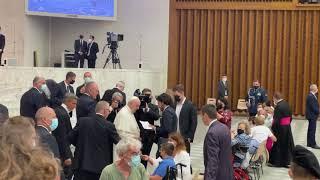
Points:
[(36, 39), (146, 18)]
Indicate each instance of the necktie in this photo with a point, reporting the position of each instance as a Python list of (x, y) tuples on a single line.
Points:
[(68, 88), (89, 49)]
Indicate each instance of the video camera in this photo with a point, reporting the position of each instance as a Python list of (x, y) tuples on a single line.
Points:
[(113, 39), (143, 98)]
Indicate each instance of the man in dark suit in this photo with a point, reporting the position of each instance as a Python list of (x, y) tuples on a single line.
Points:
[(4, 114), (168, 120), (87, 102), (223, 88), (46, 122), (93, 137), (2, 44), (63, 129), (33, 99), (187, 115), (312, 113), (63, 88), (87, 77), (80, 50), (217, 147), (119, 88), (93, 49)]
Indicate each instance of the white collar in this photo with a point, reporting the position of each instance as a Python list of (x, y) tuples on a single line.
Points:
[(184, 99), (66, 84), (212, 122), (65, 107)]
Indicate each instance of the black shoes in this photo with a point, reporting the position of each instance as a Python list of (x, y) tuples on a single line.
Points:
[(315, 147)]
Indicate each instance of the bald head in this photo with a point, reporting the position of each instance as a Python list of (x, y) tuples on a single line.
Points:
[(134, 104), (87, 74), (44, 116), (92, 89), (313, 88), (103, 108)]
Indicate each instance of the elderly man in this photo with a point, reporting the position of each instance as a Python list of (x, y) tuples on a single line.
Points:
[(119, 88), (312, 113), (117, 99), (64, 127), (33, 99), (46, 122), (93, 137), (87, 102), (125, 121)]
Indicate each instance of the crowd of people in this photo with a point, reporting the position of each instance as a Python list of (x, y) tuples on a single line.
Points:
[(113, 135)]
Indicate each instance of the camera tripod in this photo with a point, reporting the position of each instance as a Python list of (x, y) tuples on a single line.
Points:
[(114, 56)]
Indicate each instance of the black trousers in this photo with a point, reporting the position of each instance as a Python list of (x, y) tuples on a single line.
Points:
[(77, 58), (188, 146), (68, 173), (147, 142), (91, 63), (85, 175), (311, 139), (1, 58)]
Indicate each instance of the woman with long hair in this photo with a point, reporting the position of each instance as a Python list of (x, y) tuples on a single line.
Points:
[(20, 157)]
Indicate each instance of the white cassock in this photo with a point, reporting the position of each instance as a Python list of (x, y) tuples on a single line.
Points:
[(126, 124)]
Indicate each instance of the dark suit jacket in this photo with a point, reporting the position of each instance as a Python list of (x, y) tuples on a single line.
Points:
[(48, 141), (168, 123), (108, 96), (59, 93), (64, 127), (222, 89), (217, 153), (92, 52), (93, 137), (2, 41), (188, 120), (78, 48), (30, 102), (312, 107), (86, 106)]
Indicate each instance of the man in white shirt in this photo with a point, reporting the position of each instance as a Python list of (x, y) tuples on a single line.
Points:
[(125, 121)]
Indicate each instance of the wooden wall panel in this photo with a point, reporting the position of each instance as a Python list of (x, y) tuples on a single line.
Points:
[(278, 46)]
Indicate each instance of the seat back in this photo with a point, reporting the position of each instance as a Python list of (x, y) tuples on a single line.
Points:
[(242, 105), (211, 101)]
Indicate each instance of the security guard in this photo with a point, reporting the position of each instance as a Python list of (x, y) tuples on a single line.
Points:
[(256, 95)]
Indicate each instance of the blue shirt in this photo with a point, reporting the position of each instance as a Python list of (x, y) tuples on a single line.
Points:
[(161, 170)]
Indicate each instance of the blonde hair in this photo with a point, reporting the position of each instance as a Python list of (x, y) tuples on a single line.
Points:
[(180, 141), (260, 120), (247, 126), (20, 160)]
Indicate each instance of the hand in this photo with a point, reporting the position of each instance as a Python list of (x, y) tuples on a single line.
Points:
[(145, 157), (67, 162)]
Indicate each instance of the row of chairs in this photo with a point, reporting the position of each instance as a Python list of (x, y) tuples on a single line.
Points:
[(241, 106)]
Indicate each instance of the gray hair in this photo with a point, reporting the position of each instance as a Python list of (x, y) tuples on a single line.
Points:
[(116, 94), (69, 96), (125, 143), (37, 79)]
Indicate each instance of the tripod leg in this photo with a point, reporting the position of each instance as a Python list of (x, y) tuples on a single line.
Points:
[(107, 60)]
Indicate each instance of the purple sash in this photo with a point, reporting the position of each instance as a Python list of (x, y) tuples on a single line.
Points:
[(285, 121)]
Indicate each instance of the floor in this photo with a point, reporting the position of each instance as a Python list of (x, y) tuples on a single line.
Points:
[(299, 129)]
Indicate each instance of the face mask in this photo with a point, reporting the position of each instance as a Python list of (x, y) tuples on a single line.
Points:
[(177, 98), (224, 79), (256, 87), (90, 40), (54, 124), (135, 161), (44, 88), (72, 81), (240, 131), (87, 80)]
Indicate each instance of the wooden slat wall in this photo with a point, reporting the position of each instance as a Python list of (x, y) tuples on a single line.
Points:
[(278, 47)]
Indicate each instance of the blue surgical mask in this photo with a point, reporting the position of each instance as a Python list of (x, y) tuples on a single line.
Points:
[(135, 161), (54, 124)]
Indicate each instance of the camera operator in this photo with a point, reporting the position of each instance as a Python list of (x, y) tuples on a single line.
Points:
[(147, 112), (117, 99)]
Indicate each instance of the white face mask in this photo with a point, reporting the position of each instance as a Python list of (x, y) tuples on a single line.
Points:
[(87, 80), (224, 79), (44, 88), (90, 40)]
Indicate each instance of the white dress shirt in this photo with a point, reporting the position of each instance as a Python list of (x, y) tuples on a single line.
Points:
[(178, 111)]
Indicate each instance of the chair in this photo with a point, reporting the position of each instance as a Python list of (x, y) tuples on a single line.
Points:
[(242, 105), (258, 159)]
